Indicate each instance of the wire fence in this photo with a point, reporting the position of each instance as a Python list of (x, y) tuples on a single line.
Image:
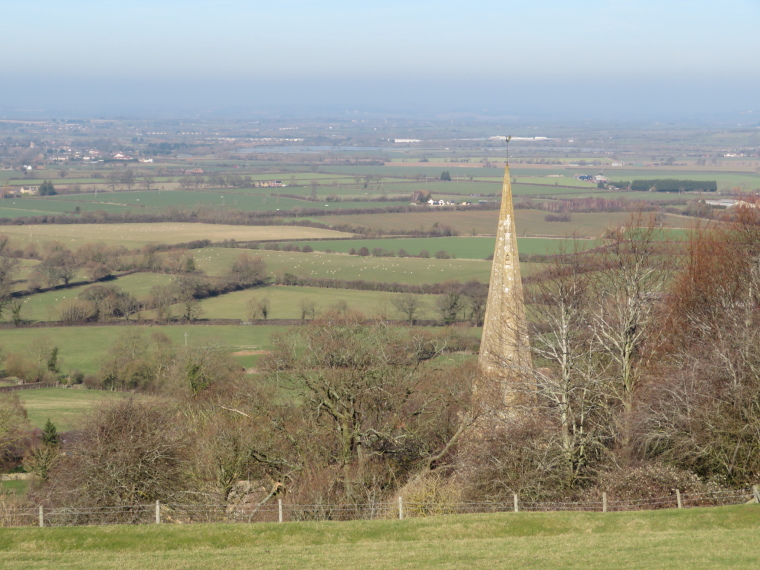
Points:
[(279, 510)]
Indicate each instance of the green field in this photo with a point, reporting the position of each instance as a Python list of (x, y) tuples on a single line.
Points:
[(63, 406), (153, 201), (81, 348), (216, 261), (286, 302), (721, 537)]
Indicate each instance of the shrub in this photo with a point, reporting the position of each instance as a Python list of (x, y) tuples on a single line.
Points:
[(130, 453), (76, 311), (558, 218), (649, 481)]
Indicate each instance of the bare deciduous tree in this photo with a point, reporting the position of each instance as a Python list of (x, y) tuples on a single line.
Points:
[(628, 282), (408, 305)]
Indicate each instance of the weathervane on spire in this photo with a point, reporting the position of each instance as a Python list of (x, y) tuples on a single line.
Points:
[(508, 138)]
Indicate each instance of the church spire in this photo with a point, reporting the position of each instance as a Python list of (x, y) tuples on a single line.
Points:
[(504, 350)]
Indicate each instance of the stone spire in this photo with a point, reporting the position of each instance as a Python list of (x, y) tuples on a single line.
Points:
[(504, 349)]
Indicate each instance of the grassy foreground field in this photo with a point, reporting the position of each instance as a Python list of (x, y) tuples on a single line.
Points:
[(695, 538)]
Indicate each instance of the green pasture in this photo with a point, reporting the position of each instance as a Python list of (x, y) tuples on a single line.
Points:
[(719, 537), (568, 180), (533, 190), (344, 192), (63, 406), (254, 200), (285, 302), (157, 199), (154, 201), (287, 177), (25, 207), (216, 261), (81, 348), (55, 178), (413, 170), (461, 189)]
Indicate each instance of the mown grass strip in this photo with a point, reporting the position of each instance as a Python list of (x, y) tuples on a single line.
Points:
[(694, 538)]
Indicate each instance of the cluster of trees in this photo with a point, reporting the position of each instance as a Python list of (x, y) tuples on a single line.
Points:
[(558, 218), (382, 252), (47, 189), (645, 370), (348, 411), (40, 361), (154, 364)]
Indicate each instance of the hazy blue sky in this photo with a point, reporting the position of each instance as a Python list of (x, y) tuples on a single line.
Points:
[(615, 58)]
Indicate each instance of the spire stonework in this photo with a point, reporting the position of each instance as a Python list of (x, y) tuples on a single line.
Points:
[(504, 350)]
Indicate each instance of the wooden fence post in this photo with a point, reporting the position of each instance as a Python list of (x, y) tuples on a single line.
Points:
[(604, 502), (42, 517), (678, 498), (158, 512), (517, 503), (400, 508), (279, 509)]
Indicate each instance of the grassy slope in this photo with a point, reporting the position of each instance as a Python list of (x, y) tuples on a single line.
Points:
[(696, 538)]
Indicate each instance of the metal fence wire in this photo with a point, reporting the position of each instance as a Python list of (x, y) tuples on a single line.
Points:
[(279, 510)]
